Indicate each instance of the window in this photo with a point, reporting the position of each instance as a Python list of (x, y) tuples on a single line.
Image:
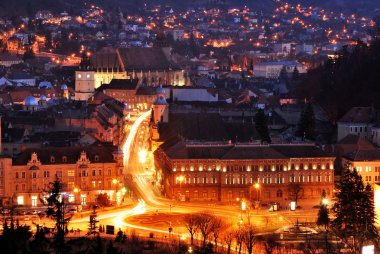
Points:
[(23, 187), (20, 200), (79, 75), (204, 180), (16, 175), (100, 172), (34, 175), (16, 187), (279, 194), (71, 172), (301, 179), (59, 174), (109, 172), (84, 173), (93, 172), (291, 179), (195, 179), (46, 174), (64, 159), (96, 158), (52, 159), (34, 201), (309, 178), (319, 179)]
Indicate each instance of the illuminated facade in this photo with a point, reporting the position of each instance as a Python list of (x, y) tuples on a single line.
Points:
[(84, 173), (227, 172), (150, 66)]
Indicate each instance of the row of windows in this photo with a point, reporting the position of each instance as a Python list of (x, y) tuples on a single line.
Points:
[(257, 168), (245, 180), (70, 173)]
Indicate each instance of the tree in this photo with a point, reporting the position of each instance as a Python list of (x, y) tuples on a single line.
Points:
[(248, 237), (239, 237), (191, 226), (216, 226), (103, 200), (306, 124), (92, 227), (261, 126), (57, 210), (323, 213), (353, 209), (29, 54), (296, 74), (204, 221), (270, 243), (228, 238), (295, 191)]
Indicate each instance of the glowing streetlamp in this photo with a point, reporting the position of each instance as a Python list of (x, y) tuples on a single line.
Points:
[(142, 156), (257, 187), (325, 202), (180, 180), (115, 182)]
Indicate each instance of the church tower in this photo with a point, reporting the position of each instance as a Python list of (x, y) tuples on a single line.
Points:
[(84, 80), (160, 112)]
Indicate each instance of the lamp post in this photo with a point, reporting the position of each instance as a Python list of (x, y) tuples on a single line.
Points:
[(115, 182), (180, 179), (257, 187)]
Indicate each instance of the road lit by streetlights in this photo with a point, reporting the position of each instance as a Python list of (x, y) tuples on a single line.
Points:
[(132, 133), (142, 156)]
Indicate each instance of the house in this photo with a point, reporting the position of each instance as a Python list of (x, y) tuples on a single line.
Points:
[(358, 121), (272, 70), (7, 59)]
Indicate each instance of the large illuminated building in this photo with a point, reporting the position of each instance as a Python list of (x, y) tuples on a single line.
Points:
[(229, 172), (85, 172), (150, 66)]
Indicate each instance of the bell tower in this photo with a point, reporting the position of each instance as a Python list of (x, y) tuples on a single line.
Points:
[(84, 80)]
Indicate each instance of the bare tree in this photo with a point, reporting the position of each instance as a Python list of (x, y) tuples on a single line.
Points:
[(248, 237), (269, 242), (216, 226), (204, 222), (229, 236), (191, 224), (295, 191), (239, 236)]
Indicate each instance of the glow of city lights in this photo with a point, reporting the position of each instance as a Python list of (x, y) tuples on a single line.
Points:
[(128, 143), (142, 156)]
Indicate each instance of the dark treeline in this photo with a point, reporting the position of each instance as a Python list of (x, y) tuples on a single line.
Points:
[(350, 79)]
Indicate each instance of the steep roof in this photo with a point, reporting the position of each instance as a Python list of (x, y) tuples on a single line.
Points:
[(363, 155), (358, 115), (357, 140), (144, 59), (181, 150), (72, 154), (121, 84)]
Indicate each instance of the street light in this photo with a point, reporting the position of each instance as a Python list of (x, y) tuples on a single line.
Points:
[(180, 180), (115, 181), (325, 202)]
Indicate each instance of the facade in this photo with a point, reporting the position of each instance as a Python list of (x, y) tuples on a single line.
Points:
[(273, 69), (150, 66), (367, 162), (225, 172), (357, 121), (84, 172)]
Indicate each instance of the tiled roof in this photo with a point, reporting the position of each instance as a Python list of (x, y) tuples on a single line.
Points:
[(72, 154), (358, 115), (364, 155), (181, 150)]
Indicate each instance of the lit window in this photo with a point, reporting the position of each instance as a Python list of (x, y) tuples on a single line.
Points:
[(88, 76), (79, 75), (20, 200)]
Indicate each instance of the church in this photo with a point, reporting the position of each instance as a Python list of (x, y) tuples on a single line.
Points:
[(151, 66)]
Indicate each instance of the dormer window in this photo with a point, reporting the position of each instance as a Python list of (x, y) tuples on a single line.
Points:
[(96, 157), (52, 159), (64, 158)]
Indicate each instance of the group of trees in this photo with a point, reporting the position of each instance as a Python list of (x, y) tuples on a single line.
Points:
[(348, 79), (354, 214), (211, 231)]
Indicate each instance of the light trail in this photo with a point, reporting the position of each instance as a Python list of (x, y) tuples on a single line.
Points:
[(131, 136)]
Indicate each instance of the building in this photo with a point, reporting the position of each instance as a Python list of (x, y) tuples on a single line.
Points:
[(273, 69), (7, 59), (150, 66), (84, 171), (357, 121), (367, 162), (225, 172)]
